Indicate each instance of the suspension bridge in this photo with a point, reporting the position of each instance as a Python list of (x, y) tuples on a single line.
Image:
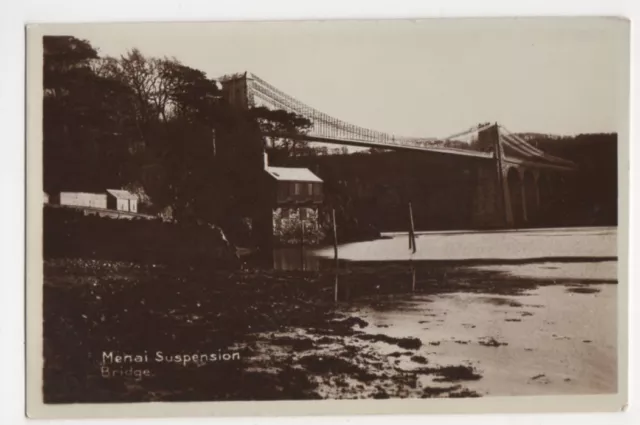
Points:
[(249, 90), (515, 180)]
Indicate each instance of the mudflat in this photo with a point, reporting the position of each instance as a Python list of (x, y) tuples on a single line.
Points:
[(394, 331)]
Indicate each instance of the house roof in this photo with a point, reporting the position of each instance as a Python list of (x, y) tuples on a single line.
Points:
[(122, 194), (293, 174)]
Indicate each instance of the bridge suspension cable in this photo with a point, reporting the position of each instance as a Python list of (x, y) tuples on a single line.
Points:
[(327, 127), (471, 130), (515, 141), (323, 124)]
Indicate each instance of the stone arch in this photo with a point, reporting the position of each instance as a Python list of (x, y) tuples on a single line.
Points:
[(530, 188), (514, 183)]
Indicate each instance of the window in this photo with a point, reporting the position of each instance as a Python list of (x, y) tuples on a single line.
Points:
[(309, 188), (297, 188)]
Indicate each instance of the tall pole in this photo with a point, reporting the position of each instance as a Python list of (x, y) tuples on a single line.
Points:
[(335, 252), (412, 247), (301, 238), (335, 237), (412, 231)]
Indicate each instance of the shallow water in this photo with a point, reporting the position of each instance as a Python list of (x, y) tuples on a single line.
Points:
[(599, 271), (595, 243), (555, 341), (544, 325)]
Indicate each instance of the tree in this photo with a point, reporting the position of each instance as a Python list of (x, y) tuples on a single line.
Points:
[(150, 96), (193, 96), (176, 109), (87, 130), (283, 131), (195, 109), (146, 124)]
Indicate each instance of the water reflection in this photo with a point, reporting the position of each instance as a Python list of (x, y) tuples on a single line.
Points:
[(350, 281), (358, 284), (366, 277), (295, 258)]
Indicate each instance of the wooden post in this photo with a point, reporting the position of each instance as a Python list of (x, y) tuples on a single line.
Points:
[(301, 238), (335, 251), (412, 247), (335, 236), (412, 232)]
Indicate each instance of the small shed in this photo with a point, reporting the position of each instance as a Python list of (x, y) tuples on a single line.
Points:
[(83, 199), (122, 200)]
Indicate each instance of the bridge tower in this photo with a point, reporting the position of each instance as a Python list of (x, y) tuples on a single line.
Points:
[(236, 92), (490, 209), (517, 192), (507, 193), (241, 154)]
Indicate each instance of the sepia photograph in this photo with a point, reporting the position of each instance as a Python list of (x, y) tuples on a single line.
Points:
[(339, 210)]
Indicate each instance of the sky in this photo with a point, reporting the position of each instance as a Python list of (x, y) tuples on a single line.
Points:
[(428, 78)]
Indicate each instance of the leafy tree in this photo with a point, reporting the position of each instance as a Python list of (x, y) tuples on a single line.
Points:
[(176, 109), (87, 130), (146, 124), (283, 131)]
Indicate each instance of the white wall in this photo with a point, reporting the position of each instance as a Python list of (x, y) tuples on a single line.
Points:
[(81, 199)]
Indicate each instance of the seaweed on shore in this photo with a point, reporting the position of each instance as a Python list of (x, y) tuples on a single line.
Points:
[(406, 343)]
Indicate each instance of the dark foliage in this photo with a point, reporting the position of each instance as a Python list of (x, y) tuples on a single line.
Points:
[(279, 124), (88, 122), (146, 124), (593, 194), (70, 234)]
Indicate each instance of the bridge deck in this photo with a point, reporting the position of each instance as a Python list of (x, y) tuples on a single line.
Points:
[(431, 150), (391, 146)]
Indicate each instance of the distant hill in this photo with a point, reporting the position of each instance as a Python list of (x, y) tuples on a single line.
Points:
[(596, 190), (533, 136)]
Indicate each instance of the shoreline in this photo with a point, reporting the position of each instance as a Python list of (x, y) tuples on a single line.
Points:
[(293, 339)]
